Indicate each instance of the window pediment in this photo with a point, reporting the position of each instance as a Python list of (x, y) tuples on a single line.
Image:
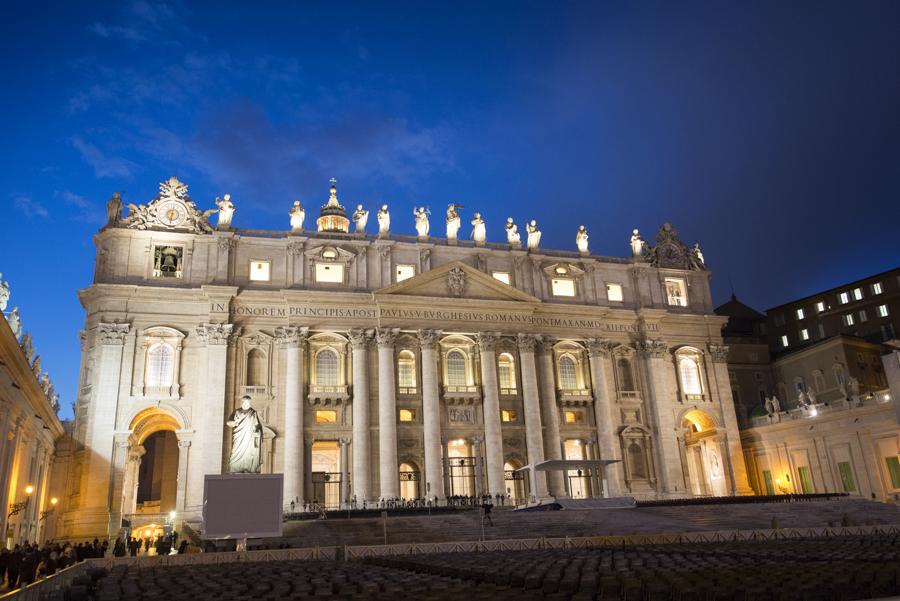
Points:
[(330, 254)]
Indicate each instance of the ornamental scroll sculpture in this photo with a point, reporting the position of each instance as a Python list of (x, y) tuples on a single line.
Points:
[(456, 282), (671, 252), (173, 195)]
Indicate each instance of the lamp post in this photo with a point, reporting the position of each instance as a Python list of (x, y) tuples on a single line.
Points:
[(20, 506), (47, 512)]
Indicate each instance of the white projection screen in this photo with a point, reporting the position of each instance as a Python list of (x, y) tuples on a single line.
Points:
[(242, 505)]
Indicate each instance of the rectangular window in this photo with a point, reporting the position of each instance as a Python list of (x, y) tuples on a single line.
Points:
[(800, 314), (779, 320), (849, 320), (260, 271), (407, 415), (863, 318), (563, 287), (770, 485), (573, 417), (820, 306), (329, 273), (676, 292), (503, 276), (168, 261), (844, 298), (821, 328), (882, 311), (877, 288), (404, 272), (804, 334), (784, 341), (847, 481), (857, 294), (893, 465), (507, 415), (614, 293), (326, 417), (806, 485)]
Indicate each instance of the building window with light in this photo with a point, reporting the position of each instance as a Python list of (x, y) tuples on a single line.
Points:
[(614, 293), (506, 373), (260, 271), (784, 340), (404, 272), (329, 273), (326, 417), (820, 306), (689, 373), (406, 372), (844, 298), (849, 320), (857, 294), (883, 311), (456, 368), (508, 415), (877, 288), (407, 415), (800, 314), (568, 373), (676, 292), (160, 365), (562, 287), (573, 417), (327, 368), (804, 334)]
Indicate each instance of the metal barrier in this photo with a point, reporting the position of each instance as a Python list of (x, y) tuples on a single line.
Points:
[(40, 590)]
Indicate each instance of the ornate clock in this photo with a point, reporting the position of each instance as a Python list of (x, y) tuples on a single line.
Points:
[(171, 214)]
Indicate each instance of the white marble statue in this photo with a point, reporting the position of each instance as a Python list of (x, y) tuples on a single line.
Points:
[(479, 230), (226, 212), (4, 293), (853, 389), (776, 404), (768, 405), (811, 396), (512, 233), (246, 439), (384, 221), (637, 244), (36, 367), (697, 260), (27, 346), (360, 219), (422, 226), (15, 322), (453, 221), (534, 235), (581, 240), (45, 383), (802, 399), (297, 214)]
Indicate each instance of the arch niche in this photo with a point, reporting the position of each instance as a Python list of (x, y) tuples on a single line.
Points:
[(703, 454), (151, 471)]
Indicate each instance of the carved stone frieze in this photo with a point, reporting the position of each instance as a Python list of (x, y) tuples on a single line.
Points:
[(456, 282), (526, 343), (291, 336), (653, 349), (486, 340), (214, 334), (386, 336), (718, 353), (428, 339), (359, 338), (112, 333), (600, 348)]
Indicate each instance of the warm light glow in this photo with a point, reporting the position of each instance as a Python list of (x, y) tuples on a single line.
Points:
[(813, 412), (54, 501), (171, 515), (778, 481), (147, 533), (459, 441), (29, 489)]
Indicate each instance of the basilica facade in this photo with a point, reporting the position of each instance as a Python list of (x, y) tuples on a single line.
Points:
[(384, 365)]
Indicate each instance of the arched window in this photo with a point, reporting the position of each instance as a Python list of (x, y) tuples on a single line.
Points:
[(456, 368), (327, 368), (568, 379), (256, 368), (160, 365), (838, 370), (799, 385), (636, 461), (626, 380), (690, 376), (406, 370), (506, 372)]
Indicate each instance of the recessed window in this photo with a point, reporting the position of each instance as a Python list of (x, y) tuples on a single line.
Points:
[(508, 415), (877, 288), (849, 320), (503, 276), (784, 341), (844, 298), (804, 334), (676, 292), (329, 273), (883, 311), (563, 287), (407, 415), (614, 293), (779, 320), (406, 372), (863, 317), (821, 328), (260, 271), (800, 314), (573, 417), (456, 368), (568, 373), (506, 374), (690, 376), (327, 368), (160, 365), (168, 261), (857, 294), (820, 306), (404, 272), (326, 417)]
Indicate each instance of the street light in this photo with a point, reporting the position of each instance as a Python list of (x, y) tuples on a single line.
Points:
[(47, 512), (19, 507)]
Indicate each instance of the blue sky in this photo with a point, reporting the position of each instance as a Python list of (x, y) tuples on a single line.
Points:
[(769, 132)]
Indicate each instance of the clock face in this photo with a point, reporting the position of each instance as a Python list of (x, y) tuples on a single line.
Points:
[(172, 214)]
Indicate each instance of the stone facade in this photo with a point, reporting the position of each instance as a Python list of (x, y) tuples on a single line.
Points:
[(396, 366)]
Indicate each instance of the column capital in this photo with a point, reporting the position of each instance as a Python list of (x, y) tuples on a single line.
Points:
[(652, 348), (291, 336), (428, 339), (526, 342), (183, 444), (599, 347), (112, 334), (308, 443), (217, 334), (385, 337), (360, 338), (226, 244), (135, 452), (477, 440), (546, 343), (344, 441), (718, 352), (486, 340)]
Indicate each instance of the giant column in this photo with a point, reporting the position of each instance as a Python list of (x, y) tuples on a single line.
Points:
[(534, 438), (550, 416), (345, 472), (493, 438), (740, 484), (660, 373), (359, 341), (291, 339), (431, 408), (387, 415), (605, 414)]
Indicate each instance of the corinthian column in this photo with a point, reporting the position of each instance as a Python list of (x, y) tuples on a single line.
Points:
[(534, 439), (740, 486), (493, 439), (359, 341), (431, 409), (605, 415), (291, 339), (387, 415), (661, 378), (550, 415), (345, 472)]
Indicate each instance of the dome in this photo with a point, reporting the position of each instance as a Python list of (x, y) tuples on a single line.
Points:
[(333, 217)]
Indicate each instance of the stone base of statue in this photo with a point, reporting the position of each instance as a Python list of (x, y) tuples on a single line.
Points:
[(515, 245)]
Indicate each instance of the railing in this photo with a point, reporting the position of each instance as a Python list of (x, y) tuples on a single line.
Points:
[(459, 389), (42, 589), (879, 397), (254, 390)]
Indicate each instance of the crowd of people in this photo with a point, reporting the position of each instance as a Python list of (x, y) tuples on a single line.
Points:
[(161, 545), (29, 562), (452, 501)]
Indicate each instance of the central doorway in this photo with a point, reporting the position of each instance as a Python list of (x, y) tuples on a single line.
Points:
[(158, 473), (409, 482), (462, 468), (703, 455), (326, 473)]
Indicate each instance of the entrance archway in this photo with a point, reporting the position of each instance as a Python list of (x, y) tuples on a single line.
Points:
[(462, 468), (409, 482), (579, 480), (703, 454), (515, 482), (326, 473), (150, 481)]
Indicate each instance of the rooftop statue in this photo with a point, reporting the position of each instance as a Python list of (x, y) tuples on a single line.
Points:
[(246, 439), (637, 244), (360, 219), (811, 395), (479, 231), (581, 240), (534, 235), (297, 214), (15, 322), (512, 234), (422, 226), (114, 209), (453, 221), (36, 366), (4, 293), (384, 221), (697, 261), (27, 346), (226, 212)]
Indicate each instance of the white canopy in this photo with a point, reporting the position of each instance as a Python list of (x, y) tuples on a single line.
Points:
[(550, 465)]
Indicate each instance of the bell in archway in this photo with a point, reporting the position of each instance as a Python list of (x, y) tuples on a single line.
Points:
[(169, 263)]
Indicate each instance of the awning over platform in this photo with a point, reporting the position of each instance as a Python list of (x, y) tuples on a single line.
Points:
[(551, 465)]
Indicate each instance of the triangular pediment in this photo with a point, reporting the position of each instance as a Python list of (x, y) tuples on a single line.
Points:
[(457, 280)]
